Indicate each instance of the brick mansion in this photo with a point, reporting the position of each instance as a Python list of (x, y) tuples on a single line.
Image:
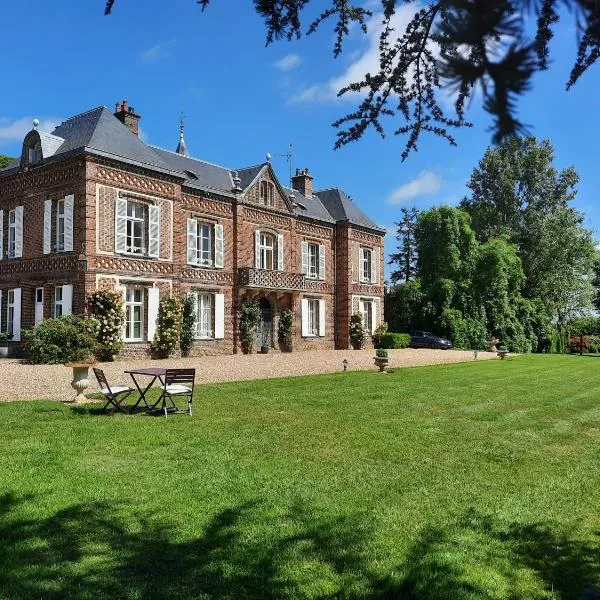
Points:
[(91, 206)]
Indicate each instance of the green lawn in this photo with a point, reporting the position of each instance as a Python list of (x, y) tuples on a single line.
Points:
[(476, 480)]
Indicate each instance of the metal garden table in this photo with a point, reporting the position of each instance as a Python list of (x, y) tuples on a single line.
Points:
[(155, 373)]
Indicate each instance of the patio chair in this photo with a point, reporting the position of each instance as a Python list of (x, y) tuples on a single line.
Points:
[(179, 382), (114, 395)]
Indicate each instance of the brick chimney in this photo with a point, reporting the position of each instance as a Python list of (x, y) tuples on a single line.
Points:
[(126, 114), (303, 182)]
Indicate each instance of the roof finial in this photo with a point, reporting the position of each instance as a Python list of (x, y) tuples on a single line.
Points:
[(181, 147)]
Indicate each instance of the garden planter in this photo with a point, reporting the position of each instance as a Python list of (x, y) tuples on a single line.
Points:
[(264, 349), (287, 347), (80, 381), (502, 354), (381, 362), (3, 351)]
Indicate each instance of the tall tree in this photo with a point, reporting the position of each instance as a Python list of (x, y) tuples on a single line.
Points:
[(446, 245), (405, 259), (517, 192), (445, 45)]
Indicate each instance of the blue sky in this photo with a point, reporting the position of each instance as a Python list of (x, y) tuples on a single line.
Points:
[(242, 100)]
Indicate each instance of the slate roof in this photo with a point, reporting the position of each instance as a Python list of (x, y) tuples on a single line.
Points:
[(208, 176), (342, 208), (98, 131)]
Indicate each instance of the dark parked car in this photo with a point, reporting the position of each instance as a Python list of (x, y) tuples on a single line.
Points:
[(424, 339)]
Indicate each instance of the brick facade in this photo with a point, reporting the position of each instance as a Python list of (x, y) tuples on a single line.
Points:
[(97, 184)]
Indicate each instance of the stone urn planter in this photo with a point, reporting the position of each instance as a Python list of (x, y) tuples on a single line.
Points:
[(80, 381), (492, 345), (502, 353), (381, 360)]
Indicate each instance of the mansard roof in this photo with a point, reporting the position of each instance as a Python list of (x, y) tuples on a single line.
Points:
[(99, 132), (342, 208)]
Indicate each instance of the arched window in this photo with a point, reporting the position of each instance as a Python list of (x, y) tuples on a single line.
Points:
[(266, 251), (267, 193), (34, 154)]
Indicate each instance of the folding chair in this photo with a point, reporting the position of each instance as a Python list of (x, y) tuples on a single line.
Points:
[(112, 393), (178, 382)]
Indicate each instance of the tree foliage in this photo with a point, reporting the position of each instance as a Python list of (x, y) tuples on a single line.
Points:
[(405, 259), (517, 192), (5, 160), (457, 46)]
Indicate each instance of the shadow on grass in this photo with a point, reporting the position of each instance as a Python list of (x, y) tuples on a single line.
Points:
[(256, 551)]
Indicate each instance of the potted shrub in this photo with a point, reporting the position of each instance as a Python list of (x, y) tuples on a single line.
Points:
[(381, 359), (285, 330), (502, 352), (5, 337), (357, 331)]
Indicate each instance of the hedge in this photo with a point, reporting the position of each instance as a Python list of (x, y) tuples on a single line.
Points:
[(391, 340)]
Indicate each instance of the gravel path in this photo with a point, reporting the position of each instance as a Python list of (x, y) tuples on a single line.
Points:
[(19, 381)]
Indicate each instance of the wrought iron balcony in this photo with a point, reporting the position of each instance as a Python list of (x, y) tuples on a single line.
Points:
[(278, 280)]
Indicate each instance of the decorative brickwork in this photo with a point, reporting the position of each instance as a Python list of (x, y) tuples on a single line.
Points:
[(97, 183), (136, 182)]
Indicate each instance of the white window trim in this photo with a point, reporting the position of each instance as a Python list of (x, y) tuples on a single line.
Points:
[(144, 221), (262, 247), (60, 218), (10, 304), (198, 299), (133, 304), (363, 262), (58, 302), (12, 229)]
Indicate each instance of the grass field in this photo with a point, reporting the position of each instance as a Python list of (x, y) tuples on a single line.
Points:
[(467, 481)]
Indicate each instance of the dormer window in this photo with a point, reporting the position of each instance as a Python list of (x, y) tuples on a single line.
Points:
[(267, 193), (34, 154)]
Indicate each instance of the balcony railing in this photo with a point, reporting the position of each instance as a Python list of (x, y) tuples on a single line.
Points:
[(273, 280)]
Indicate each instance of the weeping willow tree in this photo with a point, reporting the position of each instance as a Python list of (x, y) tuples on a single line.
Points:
[(428, 51)]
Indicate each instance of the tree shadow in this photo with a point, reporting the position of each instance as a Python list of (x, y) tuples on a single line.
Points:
[(257, 551)]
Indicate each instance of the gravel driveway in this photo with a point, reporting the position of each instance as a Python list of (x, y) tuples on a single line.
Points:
[(19, 381)]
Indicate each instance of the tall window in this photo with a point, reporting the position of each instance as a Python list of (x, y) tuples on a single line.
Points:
[(12, 233), (204, 244), (10, 310), (203, 305), (266, 250), (267, 193), (313, 317), (60, 225), (366, 308), (134, 314), (365, 264), (313, 260), (58, 301), (135, 227)]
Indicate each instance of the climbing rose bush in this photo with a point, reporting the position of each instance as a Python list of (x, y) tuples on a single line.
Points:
[(106, 321), (168, 326)]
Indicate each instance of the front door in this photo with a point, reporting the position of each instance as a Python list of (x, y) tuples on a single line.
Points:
[(264, 331), (39, 305)]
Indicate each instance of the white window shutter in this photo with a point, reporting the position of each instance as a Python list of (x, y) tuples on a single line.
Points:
[(321, 318), (19, 232), (47, 226), (304, 304), (219, 316), (121, 225), (192, 241), (374, 320), (154, 231), (321, 261), (67, 299), (219, 246), (17, 318), (69, 203), (257, 249), (153, 300), (1, 235), (304, 269), (280, 252), (374, 265)]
